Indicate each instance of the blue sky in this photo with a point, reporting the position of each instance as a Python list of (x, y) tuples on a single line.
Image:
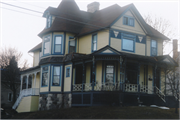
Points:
[(20, 30)]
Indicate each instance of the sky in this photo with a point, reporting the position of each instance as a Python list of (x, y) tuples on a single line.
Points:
[(19, 28)]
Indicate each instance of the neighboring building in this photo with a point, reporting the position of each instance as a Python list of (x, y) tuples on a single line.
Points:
[(98, 57)]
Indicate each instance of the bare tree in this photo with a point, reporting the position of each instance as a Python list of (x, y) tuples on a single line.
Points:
[(9, 59), (162, 25)]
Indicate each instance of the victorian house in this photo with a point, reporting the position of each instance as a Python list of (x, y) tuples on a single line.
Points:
[(94, 57)]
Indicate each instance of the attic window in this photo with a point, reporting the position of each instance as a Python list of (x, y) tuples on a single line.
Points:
[(48, 21), (128, 21)]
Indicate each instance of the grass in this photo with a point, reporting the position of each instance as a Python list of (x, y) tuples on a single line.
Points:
[(131, 112)]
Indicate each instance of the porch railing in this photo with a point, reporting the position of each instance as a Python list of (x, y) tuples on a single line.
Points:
[(160, 94), (107, 86), (25, 92)]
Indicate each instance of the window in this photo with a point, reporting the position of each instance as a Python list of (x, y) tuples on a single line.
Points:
[(128, 21), (48, 21), (46, 44), (10, 96), (109, 73), (58, 44), (44, 76), (56, 76), (94, 42), (68, 72), (128, 42), (72, 45), (153, 48)]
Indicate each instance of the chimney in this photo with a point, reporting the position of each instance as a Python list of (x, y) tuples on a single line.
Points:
[(175, 49), (92, 7)]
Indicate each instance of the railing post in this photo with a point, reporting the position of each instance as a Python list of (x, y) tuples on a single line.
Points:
[(21, 82), (27, 81)]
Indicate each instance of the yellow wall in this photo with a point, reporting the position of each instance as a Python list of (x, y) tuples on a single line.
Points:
[(24, 105), (160, 47), (38, 80), (36, 58), (34, 103), (136, 29), (99, 72), (116, 43), (85, 44), (85, 41), (140, 49), (55, 88), (67, 80), (88, 73), (102, 39)]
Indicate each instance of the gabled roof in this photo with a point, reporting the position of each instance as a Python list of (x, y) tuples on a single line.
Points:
[(37, 47), (69, 18)]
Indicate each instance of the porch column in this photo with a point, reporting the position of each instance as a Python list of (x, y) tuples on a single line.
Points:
[(35, 79), (21, 82), (27, 81), (154, 81), (138, 77), (165, 71), (120, 62), (93, 73), (83, 76)]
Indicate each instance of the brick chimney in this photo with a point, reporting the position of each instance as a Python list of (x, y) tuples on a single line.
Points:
[(175, 49), (92, 7)]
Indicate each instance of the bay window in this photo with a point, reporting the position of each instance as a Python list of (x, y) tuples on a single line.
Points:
[(58, 43)]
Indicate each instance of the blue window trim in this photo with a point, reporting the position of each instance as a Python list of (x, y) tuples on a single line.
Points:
[(68, 68), (60, 75), (130, 37), (43, 72), (128, 20), (92, 42), (62, 45), (156, 48), (114, 73), (44, 45), (47, 21), (70, 37)]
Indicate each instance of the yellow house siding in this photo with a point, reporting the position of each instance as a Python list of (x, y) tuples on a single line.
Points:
[(34, 103), (136, 29), (67, 80), (98, 71), (88, 72), (24, 105), (116, 43), (38, 80), (140, 49), (160, 47), (36, 58), (85, 44), (55, 89), (102, 39)]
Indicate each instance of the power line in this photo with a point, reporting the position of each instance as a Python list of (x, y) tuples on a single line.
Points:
[(20, 12), (30, 4), (21, 7)]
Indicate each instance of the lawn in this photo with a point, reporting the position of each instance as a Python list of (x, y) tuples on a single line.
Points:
[(131, 112)]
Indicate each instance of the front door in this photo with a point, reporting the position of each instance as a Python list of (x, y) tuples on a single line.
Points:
[(79, 71), (131, 74), (109, 73)]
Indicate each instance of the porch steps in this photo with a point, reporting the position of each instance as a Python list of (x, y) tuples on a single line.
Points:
[(160, 94)]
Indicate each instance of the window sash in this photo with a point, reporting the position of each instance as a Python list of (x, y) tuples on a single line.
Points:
[(94, 43), (131, 22), (44, 78), (153, 47), (67, 72), (128, 44), (58, 44), (72, 46), (126, 20), (56, 76), (110, 73)]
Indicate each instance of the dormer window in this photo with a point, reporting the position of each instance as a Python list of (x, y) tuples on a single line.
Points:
[(128, 21), (48, 21)]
